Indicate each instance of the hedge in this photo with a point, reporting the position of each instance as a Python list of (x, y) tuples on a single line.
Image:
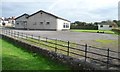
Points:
[(85, 27)]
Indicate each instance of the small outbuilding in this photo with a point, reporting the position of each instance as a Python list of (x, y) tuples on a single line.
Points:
[(42, 20), (107, 25)]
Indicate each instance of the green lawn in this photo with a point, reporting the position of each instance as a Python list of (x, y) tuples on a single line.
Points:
[(93, 31), (15, 58), (105, 41)]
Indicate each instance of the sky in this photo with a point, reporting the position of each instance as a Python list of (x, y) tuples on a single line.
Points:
[(73, 10)]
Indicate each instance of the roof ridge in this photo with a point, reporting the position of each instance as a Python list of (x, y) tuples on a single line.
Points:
[(47, 13)]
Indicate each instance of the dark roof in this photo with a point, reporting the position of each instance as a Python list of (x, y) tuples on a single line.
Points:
[(48, 14), (22, 15)]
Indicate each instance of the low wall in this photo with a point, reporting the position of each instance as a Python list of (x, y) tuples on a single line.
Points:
[(73, 63)]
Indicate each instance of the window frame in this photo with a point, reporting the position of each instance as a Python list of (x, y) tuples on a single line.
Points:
[(65, 25), (41, 22), (101, 25), (110, 26), (17, 23), (47, 23)]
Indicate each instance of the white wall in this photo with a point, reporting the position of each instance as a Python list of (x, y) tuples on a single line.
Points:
[(20, 21), (105, 27), (6, 24), (1, 23), (37, 18), (60, 24)]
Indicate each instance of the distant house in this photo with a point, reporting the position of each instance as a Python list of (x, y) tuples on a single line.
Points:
[(43, 21), (7, 22), (1, 21), (107, 25)]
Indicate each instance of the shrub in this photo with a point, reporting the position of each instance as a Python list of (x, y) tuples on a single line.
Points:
[(116, 31), (85, 27)]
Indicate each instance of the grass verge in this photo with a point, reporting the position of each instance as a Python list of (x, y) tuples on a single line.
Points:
[(14, 58), (93, 31)]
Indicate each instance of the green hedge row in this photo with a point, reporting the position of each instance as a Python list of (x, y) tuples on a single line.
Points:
[(85, 27)]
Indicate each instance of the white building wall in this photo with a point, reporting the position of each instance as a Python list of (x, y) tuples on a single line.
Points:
[(20, 22), (34, 21), (105, 27), (60, 24), (1, 23)]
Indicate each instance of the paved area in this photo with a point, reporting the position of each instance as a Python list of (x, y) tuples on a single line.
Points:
[(77, 37), (70, 36)]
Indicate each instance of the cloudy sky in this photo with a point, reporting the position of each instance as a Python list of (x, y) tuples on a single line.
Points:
[(73, 10)]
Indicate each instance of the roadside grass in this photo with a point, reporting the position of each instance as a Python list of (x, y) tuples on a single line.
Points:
[(104, 41), (93, 31), (112, 44), (15, 58)]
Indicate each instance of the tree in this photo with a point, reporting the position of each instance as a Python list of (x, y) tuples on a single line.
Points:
[(118, 23), (96, 23), (115, 21)]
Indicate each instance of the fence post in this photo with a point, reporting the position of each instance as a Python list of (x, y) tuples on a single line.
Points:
[(108, 58), (32, 36), (22, 35), (18, 34), (6, 32), (68, 48), (46, 39), (39, 39), (14, 34), (56, 45), (85, 52), (9, 33), (25, 36)]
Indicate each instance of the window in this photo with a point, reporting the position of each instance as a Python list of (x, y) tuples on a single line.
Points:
[(12, 22), (41, 22), (110, 26), (65, 25), (101, 25), (48, 23), (17, 23)]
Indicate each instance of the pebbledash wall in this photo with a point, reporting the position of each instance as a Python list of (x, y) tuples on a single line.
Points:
[(42, 20), (21, 22)]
